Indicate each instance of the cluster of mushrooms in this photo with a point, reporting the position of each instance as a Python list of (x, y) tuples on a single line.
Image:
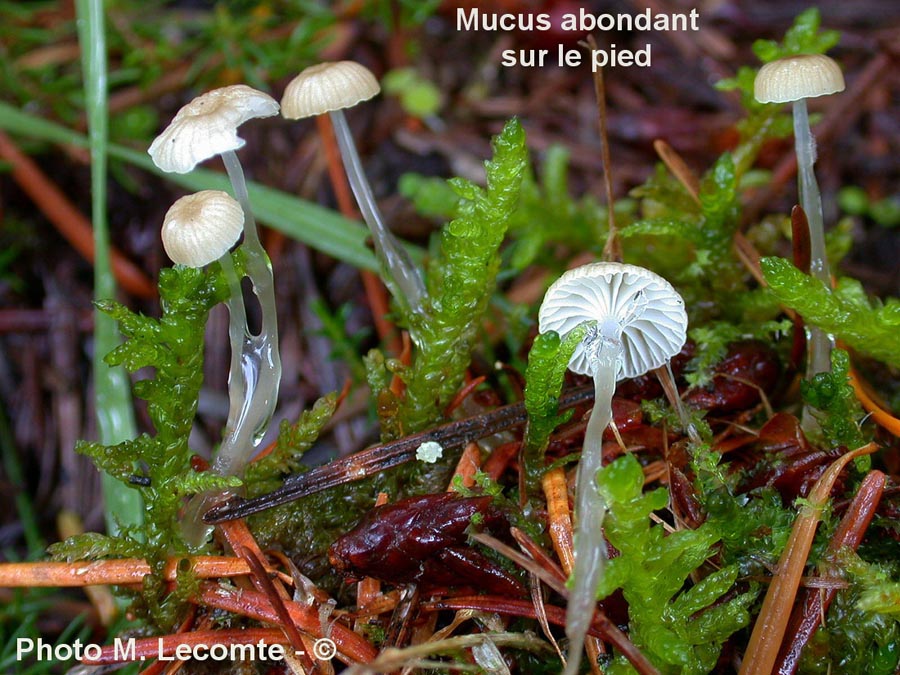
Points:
[(636, 320), (203, 227)]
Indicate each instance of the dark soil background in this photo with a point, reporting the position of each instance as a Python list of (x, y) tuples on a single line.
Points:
[(46, 287)]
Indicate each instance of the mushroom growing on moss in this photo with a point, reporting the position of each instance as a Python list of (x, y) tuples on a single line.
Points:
[(205, 127), (637, 323), (201, 227), (793, 80), (329, 88)]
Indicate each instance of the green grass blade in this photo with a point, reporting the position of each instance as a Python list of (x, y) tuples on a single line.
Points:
[(115, 411)]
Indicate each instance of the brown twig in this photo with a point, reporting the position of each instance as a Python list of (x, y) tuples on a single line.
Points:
[(120, 571), (601, 627), (612, 249), (254, 605), (809, 611), (389, 455), (769, 629)]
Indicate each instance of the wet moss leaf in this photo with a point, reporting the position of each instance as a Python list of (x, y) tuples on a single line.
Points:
[(869, 327), (679, 626)]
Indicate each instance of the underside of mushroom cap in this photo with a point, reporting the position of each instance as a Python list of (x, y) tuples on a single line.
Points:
[(328, 86), (629, 303), (795, 77), (202, 227), (207, 126)]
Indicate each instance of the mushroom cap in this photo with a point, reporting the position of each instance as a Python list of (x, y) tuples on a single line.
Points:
[(629, 303), (207, 126), (201, 227), (795, 77), (328, 86)]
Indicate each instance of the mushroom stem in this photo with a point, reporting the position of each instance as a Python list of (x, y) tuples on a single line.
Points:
[(402, 278), (255, 371), (590, 508), (819, 342), (260, 361), (810, 199)]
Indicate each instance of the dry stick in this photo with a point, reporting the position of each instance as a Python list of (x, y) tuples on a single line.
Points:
[(612, 249), (556, 492), (256, 606), (376, 293), (187, 625), (849, 534), (68, 220), (469, 463), (265, 585), (768, 631), (101, 597), (743, 248), (801, 251), (120, 571), (382, 457), (679, 168), (244, 544)]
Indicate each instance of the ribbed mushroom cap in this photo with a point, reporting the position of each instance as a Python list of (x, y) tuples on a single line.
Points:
[(629, 303), (795, 77), (207, 126), (328, 86), (202, 227)]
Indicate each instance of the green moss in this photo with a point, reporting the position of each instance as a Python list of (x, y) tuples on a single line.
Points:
[(461, 279), (548, 361), (838, 409), (158, 465), (678, 625), (871, 327)]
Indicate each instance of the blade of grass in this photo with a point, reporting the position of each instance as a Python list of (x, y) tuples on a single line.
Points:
[(322, 229), (112, 391)]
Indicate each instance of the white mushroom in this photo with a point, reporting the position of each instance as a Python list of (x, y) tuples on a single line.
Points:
[(793, 80), (205, 127), (202, 227), (638, 322), (329, 88)]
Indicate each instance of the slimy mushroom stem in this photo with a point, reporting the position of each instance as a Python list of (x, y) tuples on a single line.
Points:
[(638, 323), (400, 268), (259, 358), (329, 88), (819, 343), (205, 127), (590, 558), (794, 79)]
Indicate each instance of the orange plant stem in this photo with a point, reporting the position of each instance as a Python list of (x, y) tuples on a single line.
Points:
[(881, 416), (558, 515), (256, 606), (113, 572), (68, 220), (369, 589)]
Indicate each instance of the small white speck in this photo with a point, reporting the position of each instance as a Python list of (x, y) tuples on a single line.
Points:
[(429, 452)]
